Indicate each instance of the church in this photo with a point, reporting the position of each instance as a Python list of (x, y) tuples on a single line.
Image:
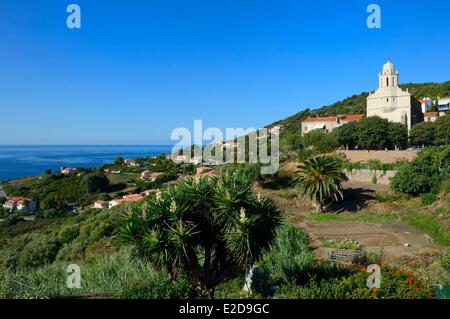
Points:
[(389, 101)]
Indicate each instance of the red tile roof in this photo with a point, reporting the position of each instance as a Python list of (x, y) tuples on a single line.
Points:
[(321, 119), (353, 117), (16, 200)]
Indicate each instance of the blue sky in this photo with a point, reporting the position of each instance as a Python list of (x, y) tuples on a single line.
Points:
[(138, 69)]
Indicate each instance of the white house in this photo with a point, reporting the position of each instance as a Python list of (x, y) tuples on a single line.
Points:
[(100, 204), (125, 199), (20, 204), (150, 176)]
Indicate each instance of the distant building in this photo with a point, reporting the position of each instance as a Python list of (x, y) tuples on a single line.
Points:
[(426, 104), (389, 101), (150, 176), (328, 124), (20, 204), (100, 204), (148, 192), (132, 163), (125, 199), (443, 105), (430, 116), (67, 170)]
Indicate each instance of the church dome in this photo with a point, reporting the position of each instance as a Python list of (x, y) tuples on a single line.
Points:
[(388, 68)]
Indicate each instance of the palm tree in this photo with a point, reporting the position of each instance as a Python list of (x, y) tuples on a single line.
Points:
[(321, 180), (209, 229)]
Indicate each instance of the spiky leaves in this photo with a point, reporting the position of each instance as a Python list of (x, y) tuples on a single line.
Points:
[(321, 180), (209, 229)]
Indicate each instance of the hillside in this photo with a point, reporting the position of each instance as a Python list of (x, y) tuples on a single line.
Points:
[(356, 104)]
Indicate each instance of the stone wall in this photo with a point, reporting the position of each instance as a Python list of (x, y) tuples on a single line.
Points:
[(382, 156), (367, 176)]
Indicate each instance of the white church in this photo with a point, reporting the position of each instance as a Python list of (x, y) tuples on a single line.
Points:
[(389, 101)]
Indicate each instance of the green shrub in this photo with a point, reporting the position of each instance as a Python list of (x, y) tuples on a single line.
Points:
[(419, 177), (395, 284), (289, 257), (68, 233), (347, 244), (428, 198), (159, 287)]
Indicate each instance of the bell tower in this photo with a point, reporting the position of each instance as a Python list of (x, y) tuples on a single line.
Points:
[(388, 77)]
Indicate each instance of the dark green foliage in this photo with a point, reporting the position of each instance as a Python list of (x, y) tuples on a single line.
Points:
[(416, 178), (320, 180), (443, 130), (119, 161), (319, 142), (425, 173), (347, 135), (397, 135), (289, 257), (160, 287), (373, 132), (428, 198), (209, 229), (423, 134), (95, 183)]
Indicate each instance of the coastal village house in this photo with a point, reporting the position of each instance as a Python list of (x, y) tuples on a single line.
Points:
[(389, 101), (150, 176), (100, 204), (67, 170), (328, 124), (125, 199), (20, 204)]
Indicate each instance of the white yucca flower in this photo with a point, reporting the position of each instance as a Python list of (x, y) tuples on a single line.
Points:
[(242, 215), (173, 207), (158, 196)]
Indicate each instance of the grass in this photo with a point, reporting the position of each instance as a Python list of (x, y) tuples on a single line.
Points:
[(348, 217), (435, 230), (102, 275)]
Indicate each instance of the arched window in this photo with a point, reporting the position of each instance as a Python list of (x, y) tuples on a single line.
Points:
[(387, 81)]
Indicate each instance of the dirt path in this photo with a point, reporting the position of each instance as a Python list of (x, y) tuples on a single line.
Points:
[(395, 240)]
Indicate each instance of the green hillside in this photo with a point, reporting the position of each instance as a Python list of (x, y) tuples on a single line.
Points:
[(356, 104)]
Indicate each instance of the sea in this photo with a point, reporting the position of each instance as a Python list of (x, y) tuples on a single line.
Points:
[(22, 161)]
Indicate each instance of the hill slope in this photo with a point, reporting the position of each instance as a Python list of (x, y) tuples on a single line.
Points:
[(356, 104)]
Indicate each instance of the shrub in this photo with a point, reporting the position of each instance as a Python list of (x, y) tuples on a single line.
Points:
[(395, 284), (428, 198), (347, 244), (289, 257), (420, 176), (68, 233), (159, 287), (210, 229)]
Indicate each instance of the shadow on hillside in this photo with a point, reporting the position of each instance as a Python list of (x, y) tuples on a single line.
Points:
[(355, 199)]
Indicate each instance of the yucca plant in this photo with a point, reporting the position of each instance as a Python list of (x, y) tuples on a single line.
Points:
[(320, 180), (209, 229)]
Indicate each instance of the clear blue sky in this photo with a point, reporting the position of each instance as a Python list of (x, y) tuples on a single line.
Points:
[(138, 69)]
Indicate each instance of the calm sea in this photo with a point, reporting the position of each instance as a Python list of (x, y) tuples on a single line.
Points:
[(21, 161)]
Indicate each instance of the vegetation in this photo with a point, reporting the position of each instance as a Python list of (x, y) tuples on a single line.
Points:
[(372, 133), (320, 180), (357, 104), (208, 229), (425, 173), (346, 244)]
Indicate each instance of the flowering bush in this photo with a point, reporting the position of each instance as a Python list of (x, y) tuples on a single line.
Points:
[(395, 284)]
